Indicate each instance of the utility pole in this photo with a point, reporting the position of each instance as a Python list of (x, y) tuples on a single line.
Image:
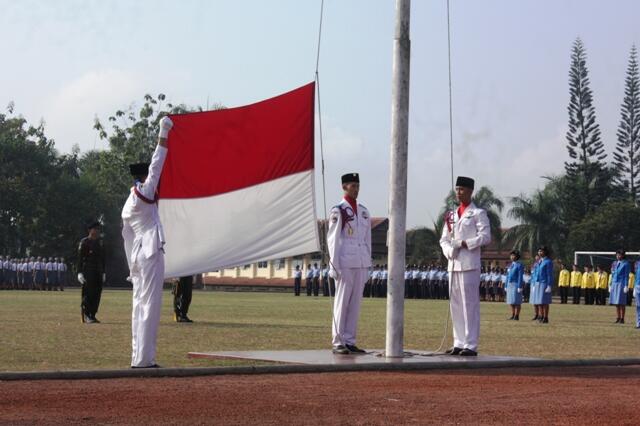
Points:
[(398, 180)]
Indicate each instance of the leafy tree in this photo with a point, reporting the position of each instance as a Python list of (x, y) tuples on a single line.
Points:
[(626, 156), (540, 221), (423, 246), (610, 227), (40, 192), (584, 144)]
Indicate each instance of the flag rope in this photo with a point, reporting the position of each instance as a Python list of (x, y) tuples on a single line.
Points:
[(325, 222)]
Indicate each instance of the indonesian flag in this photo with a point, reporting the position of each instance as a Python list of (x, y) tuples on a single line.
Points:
[(237, 186)]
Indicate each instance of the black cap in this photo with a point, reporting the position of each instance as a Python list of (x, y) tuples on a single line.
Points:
[(94, 224), (350, 177), (466, 182), (139, 169)]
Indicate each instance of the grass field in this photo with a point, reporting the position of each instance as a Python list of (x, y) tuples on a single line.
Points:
[(42, 331)]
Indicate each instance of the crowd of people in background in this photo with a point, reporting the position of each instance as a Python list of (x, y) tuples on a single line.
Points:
[(420, 282), (425, 282), (514, 284), (33, 273)]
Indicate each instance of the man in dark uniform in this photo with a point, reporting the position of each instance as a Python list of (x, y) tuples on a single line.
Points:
[(309, 280), (182, 291), (91, 272), (316, 280), (325, 280)]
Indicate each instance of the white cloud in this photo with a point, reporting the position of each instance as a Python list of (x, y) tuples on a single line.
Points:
[(341, 145), (70, 112)]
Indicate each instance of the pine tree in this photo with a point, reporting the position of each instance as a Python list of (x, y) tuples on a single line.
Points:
[(626, 157), (584, 144)]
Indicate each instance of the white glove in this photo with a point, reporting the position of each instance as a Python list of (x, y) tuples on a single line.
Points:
[(548, 289), (519, 290), (609, 289), (456, 244), (333, 273), (128, 279), (104, 277), (165, 125), (626, 289), (81, 278)]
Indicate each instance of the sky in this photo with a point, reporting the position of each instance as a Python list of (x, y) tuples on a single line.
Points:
[(67, 62)]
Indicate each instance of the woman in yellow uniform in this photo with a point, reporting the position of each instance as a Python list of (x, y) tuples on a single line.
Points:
[(576, 282), (564, 280)]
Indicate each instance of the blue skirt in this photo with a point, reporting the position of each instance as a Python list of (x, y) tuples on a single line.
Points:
[(513, 297), (538, 295), (618, 296)]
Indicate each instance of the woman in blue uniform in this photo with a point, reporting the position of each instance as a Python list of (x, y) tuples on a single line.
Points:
[(532, 288), (636, 293), (514, 285), (541, 289), (619, 284)]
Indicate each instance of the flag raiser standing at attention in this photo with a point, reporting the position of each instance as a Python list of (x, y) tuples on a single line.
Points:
[(465, 230), (143, 244), (349, 243)]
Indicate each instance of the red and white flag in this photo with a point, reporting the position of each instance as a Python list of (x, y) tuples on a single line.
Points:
[(237, 186)]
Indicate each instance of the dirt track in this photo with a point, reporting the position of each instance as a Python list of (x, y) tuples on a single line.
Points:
[(585, 396)]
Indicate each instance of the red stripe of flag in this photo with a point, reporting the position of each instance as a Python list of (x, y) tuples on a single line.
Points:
[(215, 152)]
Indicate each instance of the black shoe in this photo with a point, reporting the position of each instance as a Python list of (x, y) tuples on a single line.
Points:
[(535, 318), (621, 320), (355, 350), (545, 321), (512, 317), (182, 319), (96, 321), (89, 320), (468, 352), (453, 351), (186, 319), (340, 350), (517, 318), (617, 320), (148, 366)]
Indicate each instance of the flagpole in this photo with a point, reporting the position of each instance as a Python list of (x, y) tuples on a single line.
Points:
[(398, 180)]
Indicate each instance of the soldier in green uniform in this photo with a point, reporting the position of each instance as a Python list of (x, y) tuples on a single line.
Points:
[(182, 291), (91, 272)]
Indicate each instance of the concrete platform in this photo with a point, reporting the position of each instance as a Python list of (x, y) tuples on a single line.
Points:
[(326, 357)]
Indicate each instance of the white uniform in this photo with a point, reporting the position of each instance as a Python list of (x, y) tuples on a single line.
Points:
[(143, 242), (349, 242), (464, 272)]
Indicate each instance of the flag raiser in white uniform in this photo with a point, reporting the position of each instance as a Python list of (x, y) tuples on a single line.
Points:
[(143, 243), (349, 243), (464, 271)]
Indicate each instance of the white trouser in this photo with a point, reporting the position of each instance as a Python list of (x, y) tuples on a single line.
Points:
[(147, 277), (464, 298), (346, 305)]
